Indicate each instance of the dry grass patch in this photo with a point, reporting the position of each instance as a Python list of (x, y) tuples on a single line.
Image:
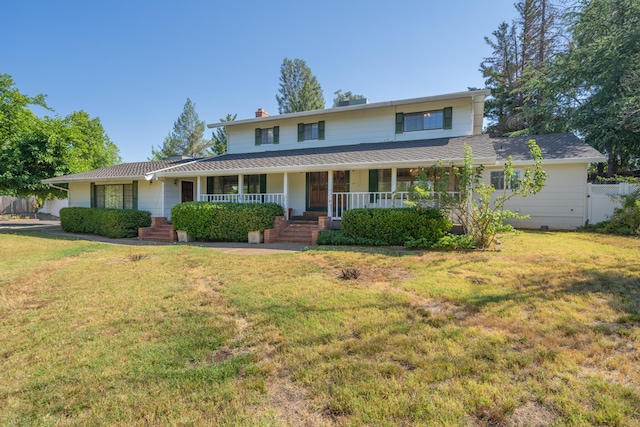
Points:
[(544, 332)]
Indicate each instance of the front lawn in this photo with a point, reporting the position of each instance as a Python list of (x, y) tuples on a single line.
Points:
[(546, 331)]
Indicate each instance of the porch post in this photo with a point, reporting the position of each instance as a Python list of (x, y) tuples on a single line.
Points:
[(162, 198), (330, 194), (285, 197), (198, 189), (240, 188), (394, 185)]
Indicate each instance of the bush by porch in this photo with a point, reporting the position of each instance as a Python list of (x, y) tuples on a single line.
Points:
[(210, 221)]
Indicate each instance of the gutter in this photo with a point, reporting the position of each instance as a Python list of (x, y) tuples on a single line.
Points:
[(59, 188)]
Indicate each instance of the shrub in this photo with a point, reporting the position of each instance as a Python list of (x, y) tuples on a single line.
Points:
[(114, 223), (337, 238), (448, 241), (395, 226), (625, 220), (229, 222)]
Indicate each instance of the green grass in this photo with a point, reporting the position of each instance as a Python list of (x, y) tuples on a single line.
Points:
[(545, 331)]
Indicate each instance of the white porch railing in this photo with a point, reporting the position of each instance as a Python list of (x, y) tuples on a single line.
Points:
[(381, 199), (277, 198)]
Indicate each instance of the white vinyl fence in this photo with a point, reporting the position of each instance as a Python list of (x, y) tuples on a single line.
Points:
[(601, 199)]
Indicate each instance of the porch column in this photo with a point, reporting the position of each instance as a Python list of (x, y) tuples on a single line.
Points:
[(240, 188), (330, 194), (285, 197), (162, 198), (198, 189), (394, 179)]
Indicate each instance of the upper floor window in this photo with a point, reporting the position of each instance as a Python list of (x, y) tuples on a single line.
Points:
[(268, 135), (499, 182), (308, 131), (424, 120)]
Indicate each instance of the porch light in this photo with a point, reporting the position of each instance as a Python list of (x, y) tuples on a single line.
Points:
[(175, 181)]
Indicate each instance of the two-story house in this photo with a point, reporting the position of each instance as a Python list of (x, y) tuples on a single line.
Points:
[(358, 155)]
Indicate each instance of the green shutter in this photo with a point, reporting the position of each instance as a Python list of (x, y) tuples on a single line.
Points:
[(373, 183), (321, 129), (209, 185), (447, 118), (258, 135), (399, 122), (263, 183), (300, 132), (93, 194), (134, 195), (276, 134)]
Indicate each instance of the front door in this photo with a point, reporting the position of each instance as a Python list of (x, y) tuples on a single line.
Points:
[(187, 191), (317, 183)]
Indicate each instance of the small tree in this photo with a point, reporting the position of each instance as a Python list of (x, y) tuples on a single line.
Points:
[(481, 215), (219, 137), (345, 96), (187, 138)]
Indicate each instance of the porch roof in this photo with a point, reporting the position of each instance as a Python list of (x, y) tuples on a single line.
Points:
[(556, 148), (360, 156)]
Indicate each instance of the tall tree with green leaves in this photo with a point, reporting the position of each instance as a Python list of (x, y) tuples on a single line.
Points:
[(345, 96), (186, 139), (219, 137), (299, 88), (34, 148), (520, 104), (602, 73)]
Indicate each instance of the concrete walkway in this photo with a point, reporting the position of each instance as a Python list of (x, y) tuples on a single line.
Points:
[(53, 228)]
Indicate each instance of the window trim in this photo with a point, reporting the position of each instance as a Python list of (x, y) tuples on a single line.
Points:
[(513, 185), (301, 131), (447, 120), (259, 135), (133, 202)]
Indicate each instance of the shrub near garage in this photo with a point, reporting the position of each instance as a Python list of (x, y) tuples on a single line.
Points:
[(114, 223), (230, 222), (395, 226)]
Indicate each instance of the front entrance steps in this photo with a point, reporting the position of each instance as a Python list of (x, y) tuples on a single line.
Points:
[(160, 231), (300, 229)]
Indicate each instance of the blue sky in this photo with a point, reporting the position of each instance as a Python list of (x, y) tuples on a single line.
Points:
[(134, 63)]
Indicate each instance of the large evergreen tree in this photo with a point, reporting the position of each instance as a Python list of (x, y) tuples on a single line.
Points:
[(520, 60), (186, 139), (299, 88), (602, 72)]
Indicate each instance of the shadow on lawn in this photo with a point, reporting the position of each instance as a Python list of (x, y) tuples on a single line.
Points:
[(623, 288)]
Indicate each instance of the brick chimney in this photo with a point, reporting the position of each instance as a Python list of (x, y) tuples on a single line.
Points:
[(261, 113)]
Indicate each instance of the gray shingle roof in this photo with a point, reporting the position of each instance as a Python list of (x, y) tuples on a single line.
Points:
[(124, 170), (371, 155), (417, 152), (557, 146)]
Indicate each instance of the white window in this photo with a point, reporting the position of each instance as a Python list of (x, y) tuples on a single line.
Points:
[(498, 180)]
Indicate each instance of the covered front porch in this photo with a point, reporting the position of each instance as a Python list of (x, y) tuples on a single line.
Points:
[(329, 192)]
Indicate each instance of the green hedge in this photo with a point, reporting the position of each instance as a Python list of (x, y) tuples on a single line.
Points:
[(115, 223), (227, 222), (395, 226)]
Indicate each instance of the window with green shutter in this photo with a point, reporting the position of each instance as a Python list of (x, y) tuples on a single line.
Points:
[(424, 120), (308, 131), (268, 135)]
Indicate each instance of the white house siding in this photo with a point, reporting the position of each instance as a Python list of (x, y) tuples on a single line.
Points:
[(171, 196), (559, 206), (359, 180), (53, 206), (297, 192), (150, 197), (79, 195), (352, 127)]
